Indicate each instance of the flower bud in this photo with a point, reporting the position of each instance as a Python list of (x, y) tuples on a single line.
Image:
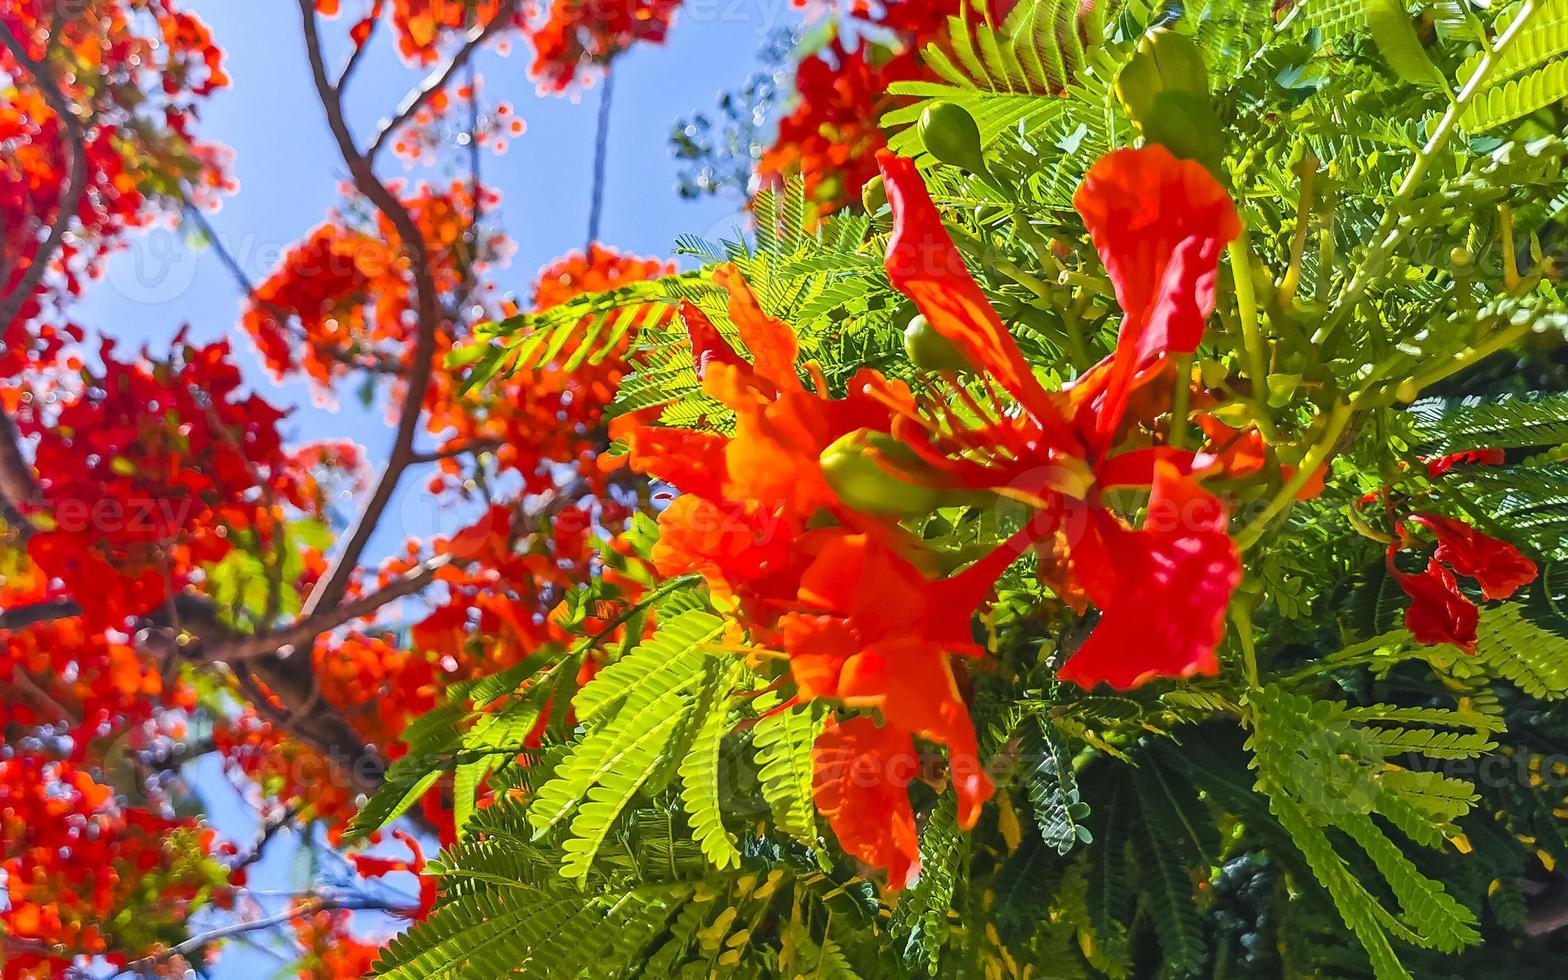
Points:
[(1165, 90), (873, 196), (952, 136), (860, 467), (929, 350)]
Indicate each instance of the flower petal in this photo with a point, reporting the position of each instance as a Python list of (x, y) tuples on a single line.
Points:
[(1162, 591), (923, 264), (1439, 612), (1159, 224), (861, 776), (1499, 567)]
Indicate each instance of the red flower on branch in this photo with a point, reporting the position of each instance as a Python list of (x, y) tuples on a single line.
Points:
[(1159, 224), (1439, 612), (860, 780)]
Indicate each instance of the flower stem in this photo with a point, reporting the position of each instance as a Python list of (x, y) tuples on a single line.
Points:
[(1389, 233), (1333, 427), (1240, 252)]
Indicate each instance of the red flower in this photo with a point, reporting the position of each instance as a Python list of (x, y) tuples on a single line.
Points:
[(1497, 566), (1440, 465), (1163, 591), (1160, 225), (1439, 612), (860, 778)]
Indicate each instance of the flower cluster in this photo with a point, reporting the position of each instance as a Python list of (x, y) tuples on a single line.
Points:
[(579, 35), (421, 25), (550, 416), (339, 300), (148, 471), (795, 520), (145, 869), (137, 149), (833, 134)]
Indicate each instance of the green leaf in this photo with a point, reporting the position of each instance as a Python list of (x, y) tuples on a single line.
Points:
[(701, 785), (783, 741), (1396, 39)]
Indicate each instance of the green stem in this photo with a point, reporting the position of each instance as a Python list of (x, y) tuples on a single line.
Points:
[(1181, 401), (1077, 344), (1240, 252), (1389, 233), (988, 257), (1333, 427), (1499, 341), (1291, 281)]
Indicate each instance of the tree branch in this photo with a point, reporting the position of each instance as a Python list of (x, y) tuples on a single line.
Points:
[(76, 179), (308, 629), (439, 79), (330, 589), (198, 942), (601, 156), (17, 486)]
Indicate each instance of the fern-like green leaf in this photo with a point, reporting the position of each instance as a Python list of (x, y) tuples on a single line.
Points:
[(783, 742), (701, 789)]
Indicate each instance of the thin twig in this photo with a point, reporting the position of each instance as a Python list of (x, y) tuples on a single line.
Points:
[(76, 178), (601, 156), (308, 629), (468, 449), (438, 80), (357, 55), (330, 589), (202, 940)]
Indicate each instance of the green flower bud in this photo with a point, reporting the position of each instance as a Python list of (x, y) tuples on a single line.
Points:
[(1282, 388), (859, 468), (929, 350), (952, 136), (873, 196), (1165, 89)]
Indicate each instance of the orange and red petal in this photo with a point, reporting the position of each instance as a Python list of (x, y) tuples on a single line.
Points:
[(1162, 591), (861, 776), (923, 264)]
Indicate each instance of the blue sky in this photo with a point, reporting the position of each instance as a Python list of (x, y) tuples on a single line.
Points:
[(289, 174)]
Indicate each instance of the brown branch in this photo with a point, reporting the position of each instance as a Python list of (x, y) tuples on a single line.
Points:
[(41, 612), (198, 942), (41, 698), (330, 589), (438, 80), (76, 178), (308, 629), (467, 449), (601, 157)]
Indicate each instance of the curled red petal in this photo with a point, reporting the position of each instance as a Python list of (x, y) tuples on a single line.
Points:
[(1162, 590), (771, 342), (708, 346), (1439, 612), (1497, 566), (1440, 465)]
